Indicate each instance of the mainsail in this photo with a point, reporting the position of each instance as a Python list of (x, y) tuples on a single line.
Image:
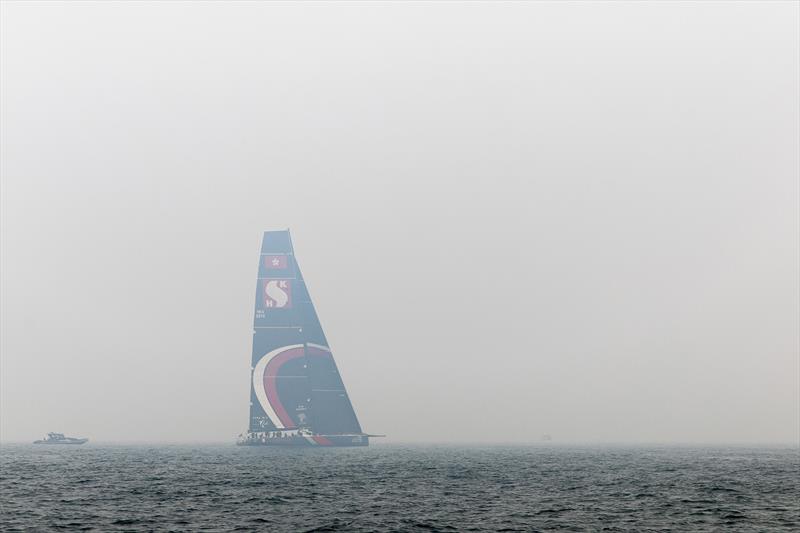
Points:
[(295, 383)]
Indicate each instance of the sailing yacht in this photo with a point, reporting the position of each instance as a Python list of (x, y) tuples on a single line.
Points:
[(297, 397)]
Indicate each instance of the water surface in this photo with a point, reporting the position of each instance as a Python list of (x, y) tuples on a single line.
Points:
[(408, 488)]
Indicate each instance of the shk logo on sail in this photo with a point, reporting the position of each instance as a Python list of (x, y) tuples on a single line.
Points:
[(277, 293)]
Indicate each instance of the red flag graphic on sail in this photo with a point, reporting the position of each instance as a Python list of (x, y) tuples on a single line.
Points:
[(275, 262)]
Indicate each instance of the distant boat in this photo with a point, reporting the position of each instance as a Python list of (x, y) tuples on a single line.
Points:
[(547, 438), (297, 397), (59, 438)]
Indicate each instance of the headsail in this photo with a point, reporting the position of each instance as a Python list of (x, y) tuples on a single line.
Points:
[(295, 382)]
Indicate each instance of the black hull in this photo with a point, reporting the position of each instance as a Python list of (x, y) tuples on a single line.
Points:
[(325, 441)]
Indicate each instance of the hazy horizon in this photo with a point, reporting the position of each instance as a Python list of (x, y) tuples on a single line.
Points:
[(580, 220)]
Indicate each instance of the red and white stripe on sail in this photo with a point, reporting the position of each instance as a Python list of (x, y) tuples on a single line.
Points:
[(265, 374)]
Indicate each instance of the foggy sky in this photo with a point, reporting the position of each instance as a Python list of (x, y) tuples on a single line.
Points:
[(514, 219)]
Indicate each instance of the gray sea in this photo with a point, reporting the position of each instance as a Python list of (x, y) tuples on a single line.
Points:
[(398, 488)]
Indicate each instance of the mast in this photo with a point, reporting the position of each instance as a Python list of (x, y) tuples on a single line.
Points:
[(277, 365)]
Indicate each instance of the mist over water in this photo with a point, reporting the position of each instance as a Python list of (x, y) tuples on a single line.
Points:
[(554, 249), (514, 219)]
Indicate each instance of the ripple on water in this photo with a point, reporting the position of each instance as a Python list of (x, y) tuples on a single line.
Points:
[(403, 488)]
